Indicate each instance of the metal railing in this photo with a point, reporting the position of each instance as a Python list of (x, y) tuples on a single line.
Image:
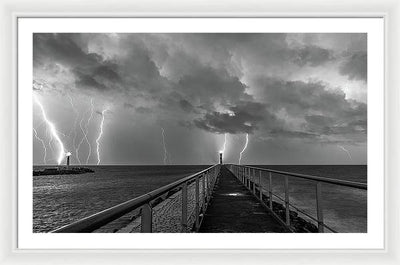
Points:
[(207, 178), (251, 177)]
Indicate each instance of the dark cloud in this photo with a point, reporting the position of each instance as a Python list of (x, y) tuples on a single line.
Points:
[(90, 70), (241, 118), (282, 133), (128, 105), (319, 123), (87, 81), (140, 71), (224, 123), (361, 123), (355, 66), (335, 114), (329, 125), (62, 48), (134, 71), (106, 71), (312, 55), (186, 105), (143, 110), (319, 120), (208, 86), (298, 97)]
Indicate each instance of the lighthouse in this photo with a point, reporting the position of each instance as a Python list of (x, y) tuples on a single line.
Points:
[(68, 155), (220, 158)]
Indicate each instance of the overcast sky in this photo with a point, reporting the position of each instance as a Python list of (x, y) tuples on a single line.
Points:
[(301, 98)]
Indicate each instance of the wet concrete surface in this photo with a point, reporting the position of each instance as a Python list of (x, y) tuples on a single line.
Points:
[(233, 209)]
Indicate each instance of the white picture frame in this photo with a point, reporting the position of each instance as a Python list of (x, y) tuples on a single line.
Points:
[(12, 254)]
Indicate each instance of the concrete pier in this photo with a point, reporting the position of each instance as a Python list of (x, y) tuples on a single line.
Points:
[(233, 209)]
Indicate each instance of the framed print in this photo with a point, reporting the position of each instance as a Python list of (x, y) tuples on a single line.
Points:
[(202, 134), (273, 85)]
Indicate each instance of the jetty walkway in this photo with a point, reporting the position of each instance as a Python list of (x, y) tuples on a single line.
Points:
[(233, 208), (220, 199)]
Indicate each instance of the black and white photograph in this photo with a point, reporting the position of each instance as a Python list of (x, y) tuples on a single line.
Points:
[(199, 132)]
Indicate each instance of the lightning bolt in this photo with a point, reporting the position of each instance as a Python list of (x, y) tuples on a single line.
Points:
[(165, 148), (223, 147), (73, 129), (81, 141), (43, 144), (100, 134), (244, 148), (85, 130), (53, 131), (347, 152), (50, 140)]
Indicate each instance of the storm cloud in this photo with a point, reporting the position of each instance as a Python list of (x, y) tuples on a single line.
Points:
[(280, 87), (241, 118), (355, 66), (312, 55)]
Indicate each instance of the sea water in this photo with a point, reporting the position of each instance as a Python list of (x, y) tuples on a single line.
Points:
[(59, 200)]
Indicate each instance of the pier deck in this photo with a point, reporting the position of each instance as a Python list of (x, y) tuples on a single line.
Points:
[(233, 209)]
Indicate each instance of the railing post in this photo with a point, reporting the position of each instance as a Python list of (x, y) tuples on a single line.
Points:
[(212, 176), (207, 186), (254, 181), (184, 207), (204, 190), (260, 185), (249, 179), (197, 192), (287, 210), (210, 185), (248, 175), (270, 190), (320, 216), (215, 175), (147, 216), (244, 176)]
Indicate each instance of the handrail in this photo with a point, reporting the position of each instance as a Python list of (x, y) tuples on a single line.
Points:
[(97, 220), (303, 212), (248, 175), (346, 183)]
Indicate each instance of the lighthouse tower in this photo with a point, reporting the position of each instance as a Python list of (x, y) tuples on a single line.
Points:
[(68, 156)]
